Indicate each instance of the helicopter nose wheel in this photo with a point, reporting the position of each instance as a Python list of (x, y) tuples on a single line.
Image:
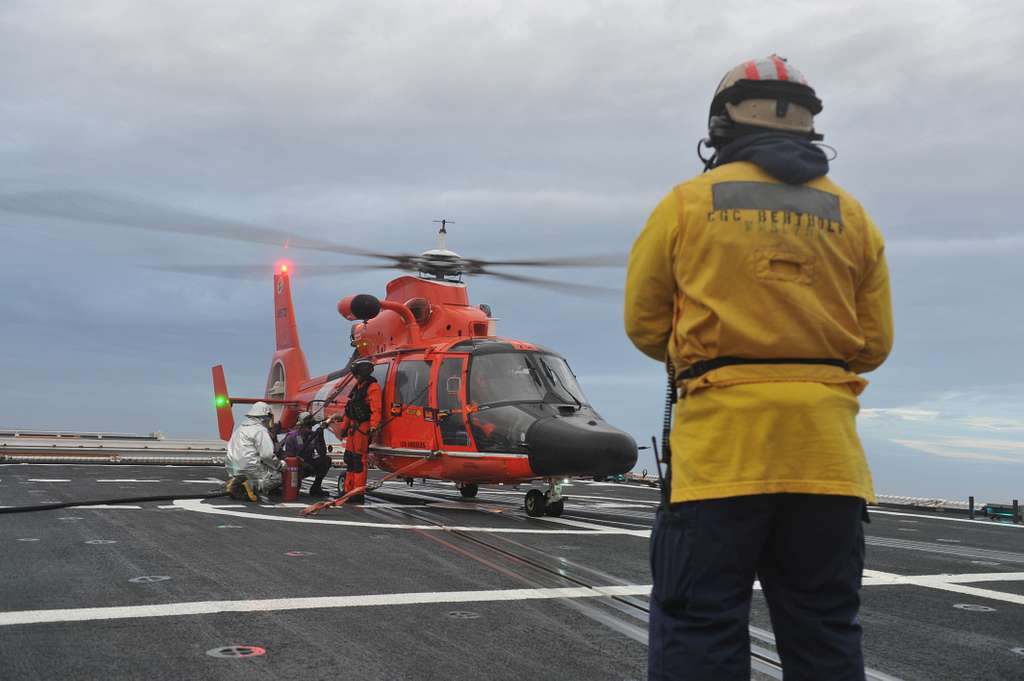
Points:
[(468, 490), (536, 503), (554, 508), (550, 503)]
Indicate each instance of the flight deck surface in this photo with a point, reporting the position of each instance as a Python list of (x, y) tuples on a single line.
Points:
[(420, 584)]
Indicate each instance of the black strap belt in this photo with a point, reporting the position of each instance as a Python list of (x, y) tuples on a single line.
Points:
[(703, 366)]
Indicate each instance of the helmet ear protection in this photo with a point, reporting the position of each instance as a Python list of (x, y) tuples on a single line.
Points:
[(362, 368), (722, 129)]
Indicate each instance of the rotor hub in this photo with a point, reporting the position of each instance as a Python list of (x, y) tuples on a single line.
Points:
[(439, 263)]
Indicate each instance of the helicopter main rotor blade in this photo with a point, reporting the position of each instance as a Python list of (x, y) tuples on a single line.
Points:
[(607, 260), (84, 206), (582, 290), (263, 271)]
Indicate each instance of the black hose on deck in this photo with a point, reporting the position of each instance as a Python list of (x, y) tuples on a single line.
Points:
[(107, 502)]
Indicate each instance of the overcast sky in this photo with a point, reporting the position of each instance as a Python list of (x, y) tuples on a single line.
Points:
[(542, 129)]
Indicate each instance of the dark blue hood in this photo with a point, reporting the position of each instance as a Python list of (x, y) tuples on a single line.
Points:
[(788, 158)]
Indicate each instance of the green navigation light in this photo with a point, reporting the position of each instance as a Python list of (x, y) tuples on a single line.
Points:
[(220, 401)]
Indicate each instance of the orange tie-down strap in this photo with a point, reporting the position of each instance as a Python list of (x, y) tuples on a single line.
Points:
[(313, 509)]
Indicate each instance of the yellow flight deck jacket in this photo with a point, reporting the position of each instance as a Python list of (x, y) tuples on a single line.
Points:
[(734, 263)]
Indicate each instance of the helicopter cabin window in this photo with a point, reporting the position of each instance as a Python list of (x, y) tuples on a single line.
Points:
[(451, 418), (380, 372), (412, 383)]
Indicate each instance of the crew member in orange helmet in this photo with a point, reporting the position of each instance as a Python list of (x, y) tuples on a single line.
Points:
[(362, 417)]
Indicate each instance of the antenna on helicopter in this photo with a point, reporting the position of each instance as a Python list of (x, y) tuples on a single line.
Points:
[(441, 233)]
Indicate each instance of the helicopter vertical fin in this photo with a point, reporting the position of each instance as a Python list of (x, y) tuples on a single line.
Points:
[(284, 311), (288, 369)]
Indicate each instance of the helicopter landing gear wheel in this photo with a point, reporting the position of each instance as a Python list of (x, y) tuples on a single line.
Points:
[(341, 482), (554, 508), (468, 490), (554, 502), (535, 503)]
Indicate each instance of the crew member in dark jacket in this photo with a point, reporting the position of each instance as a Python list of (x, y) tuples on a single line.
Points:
[(307, 442)]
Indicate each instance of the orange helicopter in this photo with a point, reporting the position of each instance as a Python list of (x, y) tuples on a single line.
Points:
[(489, 409), (474, 407)]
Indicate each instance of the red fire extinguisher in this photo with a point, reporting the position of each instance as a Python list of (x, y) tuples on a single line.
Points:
[(290, 478)]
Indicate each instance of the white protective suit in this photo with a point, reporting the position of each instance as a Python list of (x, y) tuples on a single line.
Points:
[(250, 452)]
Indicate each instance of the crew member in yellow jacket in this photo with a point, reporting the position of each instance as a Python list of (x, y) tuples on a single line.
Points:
[(764, 285)]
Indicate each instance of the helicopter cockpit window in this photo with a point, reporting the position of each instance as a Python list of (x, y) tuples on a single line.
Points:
[(412, 383), (562, 379), (512, 390), (504, 377), (504, 428)]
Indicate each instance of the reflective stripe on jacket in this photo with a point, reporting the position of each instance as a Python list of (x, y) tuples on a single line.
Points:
[(734, 263)]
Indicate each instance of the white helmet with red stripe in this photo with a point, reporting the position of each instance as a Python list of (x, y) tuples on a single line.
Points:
[(765, 93)]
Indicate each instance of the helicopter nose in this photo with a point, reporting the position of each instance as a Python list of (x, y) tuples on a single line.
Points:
[(581, 445)]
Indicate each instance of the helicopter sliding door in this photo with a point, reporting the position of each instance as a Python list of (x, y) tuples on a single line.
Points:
[(410, 417), (451, 418)]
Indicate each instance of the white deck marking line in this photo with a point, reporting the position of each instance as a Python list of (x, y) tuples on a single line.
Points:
[(204, 482), (49, 480), (383, 504), (172, 507), (959, 551), (953, 583), (594, 526), (117, 506), (319, 602), (613, 504), (422, 497), (882, 578), (128, 480), (645, 526), (197, 505), (976, 577), (940, 582), (570, 496), (1017, 599), (980, 523), (594, 497)]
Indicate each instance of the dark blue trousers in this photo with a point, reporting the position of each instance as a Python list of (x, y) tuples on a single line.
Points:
[(808, 553)]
